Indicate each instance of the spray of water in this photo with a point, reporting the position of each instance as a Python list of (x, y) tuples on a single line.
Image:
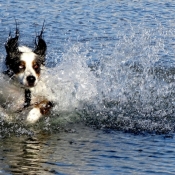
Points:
[(136, 84), (128, 86)]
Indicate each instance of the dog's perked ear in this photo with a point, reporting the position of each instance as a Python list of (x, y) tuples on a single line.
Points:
[(11, 45), (40, 46)]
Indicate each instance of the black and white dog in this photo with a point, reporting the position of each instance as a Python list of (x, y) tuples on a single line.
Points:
[(25, 88)]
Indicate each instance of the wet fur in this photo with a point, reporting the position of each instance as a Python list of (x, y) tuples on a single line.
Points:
[(22, 83)]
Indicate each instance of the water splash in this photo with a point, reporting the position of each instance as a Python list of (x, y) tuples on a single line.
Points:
[(72, 84), (126, 83), (136, 84), (129, 87)]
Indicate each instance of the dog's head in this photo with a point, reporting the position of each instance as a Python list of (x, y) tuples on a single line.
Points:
[(24, 63)]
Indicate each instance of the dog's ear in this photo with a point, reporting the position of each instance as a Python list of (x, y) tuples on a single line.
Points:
[(40, 45), (11, 45)]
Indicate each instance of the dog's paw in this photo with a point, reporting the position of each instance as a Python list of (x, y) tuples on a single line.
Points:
[(34, 115), (40, 109), (45, 107)]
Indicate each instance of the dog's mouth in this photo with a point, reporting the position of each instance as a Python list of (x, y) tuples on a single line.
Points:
[(30, 85)]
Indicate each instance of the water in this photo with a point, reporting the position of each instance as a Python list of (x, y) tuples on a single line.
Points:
[(114, 63), (87, 151)]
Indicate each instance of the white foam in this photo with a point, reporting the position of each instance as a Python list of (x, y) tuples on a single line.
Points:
[(72, 82)]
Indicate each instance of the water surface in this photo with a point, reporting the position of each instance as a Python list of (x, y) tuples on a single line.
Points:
[(111, 66), (87, 151)]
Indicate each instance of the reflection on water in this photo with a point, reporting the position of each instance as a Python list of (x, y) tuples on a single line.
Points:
[(82, 150), (24, 155)]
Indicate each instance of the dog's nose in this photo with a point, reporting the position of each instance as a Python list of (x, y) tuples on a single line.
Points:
[(31, 80)]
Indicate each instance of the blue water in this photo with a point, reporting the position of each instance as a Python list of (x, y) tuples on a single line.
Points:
[(88, 151), (114, 62)]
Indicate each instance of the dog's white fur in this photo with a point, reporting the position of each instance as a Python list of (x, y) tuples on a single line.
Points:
[(13, 88)]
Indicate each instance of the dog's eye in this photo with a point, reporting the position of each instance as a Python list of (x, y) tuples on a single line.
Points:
[(21, 67), (36, 66)]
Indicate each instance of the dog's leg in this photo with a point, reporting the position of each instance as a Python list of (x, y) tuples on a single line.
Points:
[(40, 109)]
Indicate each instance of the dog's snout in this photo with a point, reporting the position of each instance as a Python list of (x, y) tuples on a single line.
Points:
[(31, 80)]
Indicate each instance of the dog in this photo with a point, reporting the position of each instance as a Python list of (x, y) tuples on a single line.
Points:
[(23, 86)]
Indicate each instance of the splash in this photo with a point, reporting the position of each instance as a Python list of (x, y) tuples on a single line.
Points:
[(136, 84), (128, 86), (126, 83), (72, 84), (72, 81)]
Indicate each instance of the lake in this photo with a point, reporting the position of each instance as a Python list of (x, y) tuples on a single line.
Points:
[(111, 65)]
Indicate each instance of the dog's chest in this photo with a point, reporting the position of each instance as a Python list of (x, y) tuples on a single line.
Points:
[(13, 97)]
